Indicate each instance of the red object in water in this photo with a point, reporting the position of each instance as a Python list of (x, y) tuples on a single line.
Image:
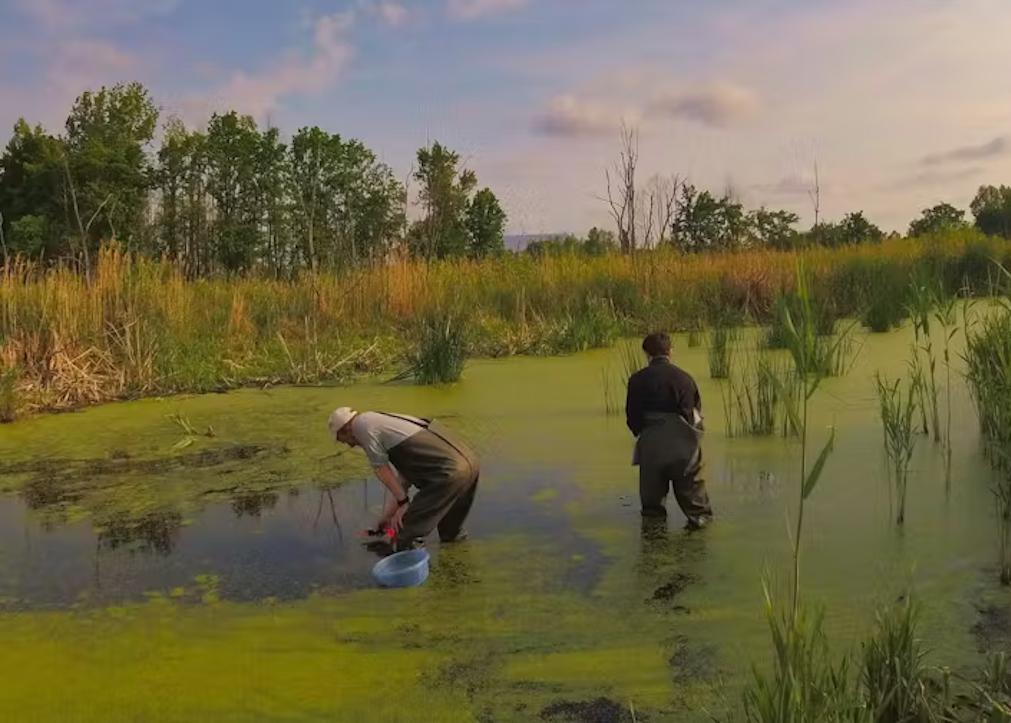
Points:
[(389, 533)]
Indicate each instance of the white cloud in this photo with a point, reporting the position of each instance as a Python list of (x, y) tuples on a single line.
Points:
[(569, 116), (717, 105), (261, 92), (475, 9)]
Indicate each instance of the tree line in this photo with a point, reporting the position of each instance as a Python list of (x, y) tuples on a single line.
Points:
[(233, 197), (230, 197)]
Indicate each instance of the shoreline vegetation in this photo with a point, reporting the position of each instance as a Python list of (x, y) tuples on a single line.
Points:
[(139, 327)]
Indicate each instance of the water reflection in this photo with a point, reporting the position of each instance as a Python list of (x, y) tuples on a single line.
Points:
[(260, 543), (252, 504), (153, 533)]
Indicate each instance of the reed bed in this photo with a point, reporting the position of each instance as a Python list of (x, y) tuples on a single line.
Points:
[(756, 395), (988, 359), (138, 326)]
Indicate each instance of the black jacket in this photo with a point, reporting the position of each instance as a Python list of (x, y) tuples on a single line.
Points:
[(660, 387)]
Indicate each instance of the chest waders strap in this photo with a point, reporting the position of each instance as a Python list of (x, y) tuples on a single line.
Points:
[(427, 425)]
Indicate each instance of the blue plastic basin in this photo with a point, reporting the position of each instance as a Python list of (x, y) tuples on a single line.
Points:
[(402, 569)]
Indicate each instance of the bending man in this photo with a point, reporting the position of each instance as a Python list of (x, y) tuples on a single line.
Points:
[(664, 412), (406, 451)]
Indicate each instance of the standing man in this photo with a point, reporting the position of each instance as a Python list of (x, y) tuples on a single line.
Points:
[(664, 411), (406, 451)]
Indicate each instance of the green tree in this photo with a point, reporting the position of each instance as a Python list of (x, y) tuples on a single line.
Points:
[(346, 205), (269, 173), (314, 157), (942, 217), (773, 229), (703, 222), (992, 210), (29, 236), (32, 187), (106, 165), (369, 205), (445, 197), (855, 229), (486, 223), (600, 242), (231, 148)]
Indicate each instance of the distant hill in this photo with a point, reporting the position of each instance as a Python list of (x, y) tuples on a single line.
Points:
[(519, 242)]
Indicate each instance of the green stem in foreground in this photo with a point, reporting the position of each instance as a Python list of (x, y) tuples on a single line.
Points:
[(800, 509)]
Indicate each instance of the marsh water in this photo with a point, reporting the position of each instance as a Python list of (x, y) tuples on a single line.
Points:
[(197, 558)]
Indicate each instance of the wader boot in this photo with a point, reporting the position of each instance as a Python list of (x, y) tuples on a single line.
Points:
[(669, 455), (445, 471)]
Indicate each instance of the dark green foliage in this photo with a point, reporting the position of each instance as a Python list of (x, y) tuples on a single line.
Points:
[(441, 351), (703, 222), (883, 313), (107, 135), (597, 243), (32, 182), (938, 219), (346, 206), (773, 229), (992, 209), (445, 197), (822, 308), (590, 325), (853, 229), (486, 224)]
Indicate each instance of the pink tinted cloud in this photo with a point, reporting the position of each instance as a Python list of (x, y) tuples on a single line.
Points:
[(476, 9), (59, 15), (392, 13), (570, 116)]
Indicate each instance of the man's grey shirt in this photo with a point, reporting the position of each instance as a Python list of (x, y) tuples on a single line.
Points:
[(378, 433)]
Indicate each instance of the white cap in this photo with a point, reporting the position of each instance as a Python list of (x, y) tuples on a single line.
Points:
[(340, 419)]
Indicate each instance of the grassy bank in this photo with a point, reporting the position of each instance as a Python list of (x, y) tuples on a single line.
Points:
[(138, 327)]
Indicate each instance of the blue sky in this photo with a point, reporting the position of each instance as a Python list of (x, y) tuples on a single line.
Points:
[(901, 103)]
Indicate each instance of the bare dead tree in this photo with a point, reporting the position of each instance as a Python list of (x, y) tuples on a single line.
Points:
[(815, 195), (621, 190), (663, 197)]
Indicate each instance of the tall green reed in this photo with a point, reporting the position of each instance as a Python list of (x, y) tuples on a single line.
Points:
[(897, 410), (923, 296), (946, 315), (614, 382), (722, 337), (751, 397), (896, 681)]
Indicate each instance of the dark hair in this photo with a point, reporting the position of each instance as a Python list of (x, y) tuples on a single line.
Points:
[(657, 344)]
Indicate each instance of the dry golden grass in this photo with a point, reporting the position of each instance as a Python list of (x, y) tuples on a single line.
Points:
[(139, 327)]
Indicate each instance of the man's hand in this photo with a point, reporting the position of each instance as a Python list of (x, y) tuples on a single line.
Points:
[(393, 514)]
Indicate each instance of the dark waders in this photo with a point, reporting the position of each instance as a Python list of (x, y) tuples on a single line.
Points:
[(445, 471), (669, 455)]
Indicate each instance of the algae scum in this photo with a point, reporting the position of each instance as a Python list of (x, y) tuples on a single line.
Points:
[(197, 558)]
